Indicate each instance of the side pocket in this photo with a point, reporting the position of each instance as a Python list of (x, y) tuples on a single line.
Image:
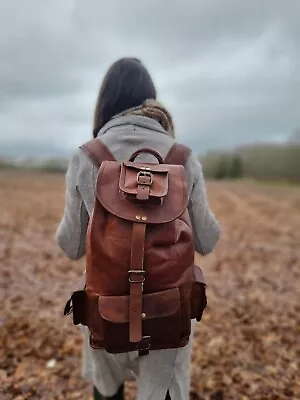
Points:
[(198, 297), (77, 304)]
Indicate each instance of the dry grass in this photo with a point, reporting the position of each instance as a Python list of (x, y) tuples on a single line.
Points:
[(248, 344)]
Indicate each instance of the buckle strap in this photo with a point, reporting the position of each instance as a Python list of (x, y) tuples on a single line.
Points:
[(136, 279), (136, 276), (143, 192), (144, 180)]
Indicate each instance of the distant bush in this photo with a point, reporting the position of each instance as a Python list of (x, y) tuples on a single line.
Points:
[(52, 165), (261, 162), (236, 169), (7, 164), (223, 166), (273, 162)]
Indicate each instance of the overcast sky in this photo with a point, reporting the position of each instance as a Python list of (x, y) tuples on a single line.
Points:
[(228, 70)]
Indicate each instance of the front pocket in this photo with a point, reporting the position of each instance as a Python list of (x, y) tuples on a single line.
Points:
[(198, 295), (161, 320)]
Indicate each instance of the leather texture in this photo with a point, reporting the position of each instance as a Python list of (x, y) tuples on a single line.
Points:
[(142, 287)]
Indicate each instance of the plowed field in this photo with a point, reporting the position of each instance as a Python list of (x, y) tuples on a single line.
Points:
[(246, 347)]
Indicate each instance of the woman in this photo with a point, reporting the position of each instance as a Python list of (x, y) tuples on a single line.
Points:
[(127, 118)]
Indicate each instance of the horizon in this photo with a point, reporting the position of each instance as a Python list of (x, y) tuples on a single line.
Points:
[(22, 150)]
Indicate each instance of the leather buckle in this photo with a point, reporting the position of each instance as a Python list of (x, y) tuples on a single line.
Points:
[(140, 272), (144, 346), (145, 174)]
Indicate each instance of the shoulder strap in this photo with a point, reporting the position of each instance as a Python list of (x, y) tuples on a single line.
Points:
[(97, 151), (177, 155)]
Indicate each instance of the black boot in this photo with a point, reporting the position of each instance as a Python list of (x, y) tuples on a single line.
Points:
[(168, 396), (117, 396)]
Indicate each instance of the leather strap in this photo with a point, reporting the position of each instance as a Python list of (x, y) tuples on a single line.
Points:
[(136, 279), (177, 155), (97, 151), (143, 192), (144, 181)]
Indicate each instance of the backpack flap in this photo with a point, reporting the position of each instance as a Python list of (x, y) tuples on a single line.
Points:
[(117, 185), (144, 182)]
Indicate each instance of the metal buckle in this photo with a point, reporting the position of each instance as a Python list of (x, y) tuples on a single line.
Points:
[(145, 173), (136, 271)]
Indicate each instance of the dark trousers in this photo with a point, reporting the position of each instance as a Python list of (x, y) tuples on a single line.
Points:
[(117, 396)]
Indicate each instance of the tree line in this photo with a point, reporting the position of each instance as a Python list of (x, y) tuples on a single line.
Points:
[(268, 162)]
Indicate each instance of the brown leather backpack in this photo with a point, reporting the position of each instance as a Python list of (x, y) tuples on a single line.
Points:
[(141, 288)]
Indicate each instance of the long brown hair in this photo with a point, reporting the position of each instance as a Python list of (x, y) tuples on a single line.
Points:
[(126, 84)]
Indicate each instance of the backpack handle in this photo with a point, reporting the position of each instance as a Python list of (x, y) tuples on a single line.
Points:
[(148, 151)]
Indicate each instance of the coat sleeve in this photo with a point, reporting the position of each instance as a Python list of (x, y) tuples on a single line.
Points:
[(71, 233), (205, 226)]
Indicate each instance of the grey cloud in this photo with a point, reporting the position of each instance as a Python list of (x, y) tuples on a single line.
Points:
[(228, 70)]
